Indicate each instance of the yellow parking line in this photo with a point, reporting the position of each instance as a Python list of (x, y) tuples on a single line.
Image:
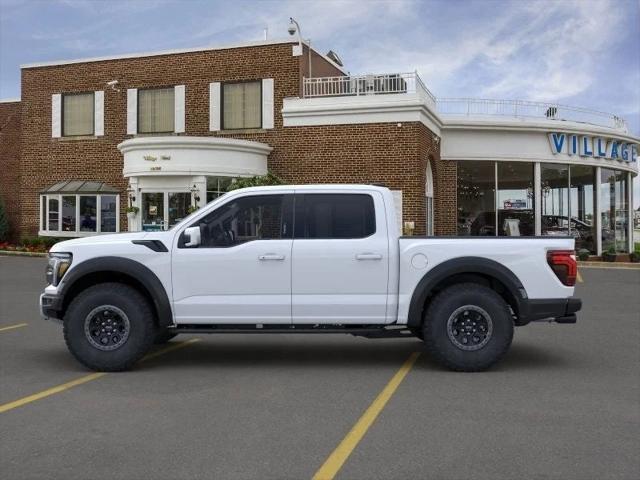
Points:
[(334, 463), (87, 378), (579, 277), (11, 327)]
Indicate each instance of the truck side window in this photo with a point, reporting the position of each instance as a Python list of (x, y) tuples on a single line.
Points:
[(334, 215), (260, 217)]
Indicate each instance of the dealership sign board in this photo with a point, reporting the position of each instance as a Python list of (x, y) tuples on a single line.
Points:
[(589, 146)]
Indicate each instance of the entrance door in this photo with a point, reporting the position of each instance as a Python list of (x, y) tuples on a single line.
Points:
[(241, 271), (340, 268), (162, 210)]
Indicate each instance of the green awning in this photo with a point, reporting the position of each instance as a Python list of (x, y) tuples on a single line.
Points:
[(80, 187)]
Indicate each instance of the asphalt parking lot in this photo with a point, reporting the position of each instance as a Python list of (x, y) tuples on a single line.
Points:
[(565, 403)]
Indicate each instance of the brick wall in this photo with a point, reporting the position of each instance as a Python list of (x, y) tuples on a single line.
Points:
[(384, 153), (10, 162)]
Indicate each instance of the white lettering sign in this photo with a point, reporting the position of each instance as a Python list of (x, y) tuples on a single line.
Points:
[(588, 146)]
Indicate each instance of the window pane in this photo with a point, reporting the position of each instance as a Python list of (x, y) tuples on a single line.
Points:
[(476, 198), (335, 216), (614, 210), (53, 213), (77, 113), (217, 186), (152, 211), (242, 105), (43, 216), (582, 207), (179, 202), (263, 217), (555, 199), (156, 110), (515, 199), (108, 219), (69, 213), (87, 214)]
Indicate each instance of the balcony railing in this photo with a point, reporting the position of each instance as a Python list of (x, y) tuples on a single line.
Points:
[(527, 109), (357, 85), (411, 83)]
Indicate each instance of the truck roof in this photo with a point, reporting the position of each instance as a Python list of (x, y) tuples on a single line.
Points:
[(322, 186)]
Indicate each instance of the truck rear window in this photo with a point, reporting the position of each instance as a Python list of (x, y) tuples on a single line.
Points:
[(334, 215)]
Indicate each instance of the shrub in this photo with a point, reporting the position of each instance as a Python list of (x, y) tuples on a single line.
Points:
[(583, 254), (257, 181), (610, 254), (4, 223)]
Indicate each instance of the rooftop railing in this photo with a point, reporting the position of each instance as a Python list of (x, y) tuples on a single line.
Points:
[(526, 109), (372, 84), (411, 83)]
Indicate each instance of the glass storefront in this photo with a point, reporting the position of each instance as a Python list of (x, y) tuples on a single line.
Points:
[(498, 198), (217, 186), (476, 198), (582, 207), (515, 199), (614, 210)]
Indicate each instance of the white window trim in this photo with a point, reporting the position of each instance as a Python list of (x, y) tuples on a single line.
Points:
[(44, 224)]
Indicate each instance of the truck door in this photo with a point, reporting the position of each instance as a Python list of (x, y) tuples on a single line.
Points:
[(340, 270), (241, 271)]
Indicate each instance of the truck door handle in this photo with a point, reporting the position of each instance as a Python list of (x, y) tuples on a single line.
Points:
[(368, 256), (271, 256)]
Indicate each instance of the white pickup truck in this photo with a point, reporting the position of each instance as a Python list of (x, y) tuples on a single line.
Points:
[(305, 259)]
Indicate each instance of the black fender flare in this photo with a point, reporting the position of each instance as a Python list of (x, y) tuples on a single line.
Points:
[(469, 265), (136, 270)]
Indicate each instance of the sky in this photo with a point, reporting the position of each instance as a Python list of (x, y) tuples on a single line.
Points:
[(578, 52)]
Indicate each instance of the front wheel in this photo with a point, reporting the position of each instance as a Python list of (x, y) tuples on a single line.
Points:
[(109, 326), (468, 327)]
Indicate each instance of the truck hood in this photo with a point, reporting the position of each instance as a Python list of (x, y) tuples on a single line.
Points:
[(67, 245)]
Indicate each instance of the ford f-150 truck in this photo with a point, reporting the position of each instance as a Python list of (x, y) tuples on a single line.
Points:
[(305, 259)]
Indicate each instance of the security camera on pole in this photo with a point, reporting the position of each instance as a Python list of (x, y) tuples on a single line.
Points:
[(297, 49)]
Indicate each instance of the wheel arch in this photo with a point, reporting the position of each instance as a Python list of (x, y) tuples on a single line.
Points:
[(122, 270), (463, 270)]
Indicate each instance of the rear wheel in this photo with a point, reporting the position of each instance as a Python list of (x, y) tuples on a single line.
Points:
[(468, 327), (109, 326)]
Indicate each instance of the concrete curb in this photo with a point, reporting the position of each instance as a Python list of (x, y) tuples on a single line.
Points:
[(11, 253), (610, 265)]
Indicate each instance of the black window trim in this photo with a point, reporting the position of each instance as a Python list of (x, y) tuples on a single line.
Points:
[(93, 117), (235, 82), (160, 87), (288, 198), (302, 196)]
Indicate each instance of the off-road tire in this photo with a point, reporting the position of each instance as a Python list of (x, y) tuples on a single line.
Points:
[(163, 336), (437, 330), (141, 331)]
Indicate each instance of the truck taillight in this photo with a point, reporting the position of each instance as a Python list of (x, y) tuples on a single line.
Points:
[(564, 265)]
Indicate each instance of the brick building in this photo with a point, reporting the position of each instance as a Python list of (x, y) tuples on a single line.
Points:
[(167, 131)]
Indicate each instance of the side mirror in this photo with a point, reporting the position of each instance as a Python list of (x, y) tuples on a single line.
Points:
[(193, 234)]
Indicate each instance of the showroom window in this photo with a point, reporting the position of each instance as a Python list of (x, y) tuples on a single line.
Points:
[(78, 114), (476, 198), (79, 208), (582, 207), (515, 199), (241, 105), (555, 198), (614, 210), (156, 110)]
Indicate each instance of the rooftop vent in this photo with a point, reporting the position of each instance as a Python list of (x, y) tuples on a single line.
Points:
[(334, 57)]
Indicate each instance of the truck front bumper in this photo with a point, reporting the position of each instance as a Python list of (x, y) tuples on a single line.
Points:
[(560, 310), (51, 307)]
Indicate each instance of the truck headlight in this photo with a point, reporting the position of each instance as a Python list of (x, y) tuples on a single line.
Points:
[(58, 265)]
